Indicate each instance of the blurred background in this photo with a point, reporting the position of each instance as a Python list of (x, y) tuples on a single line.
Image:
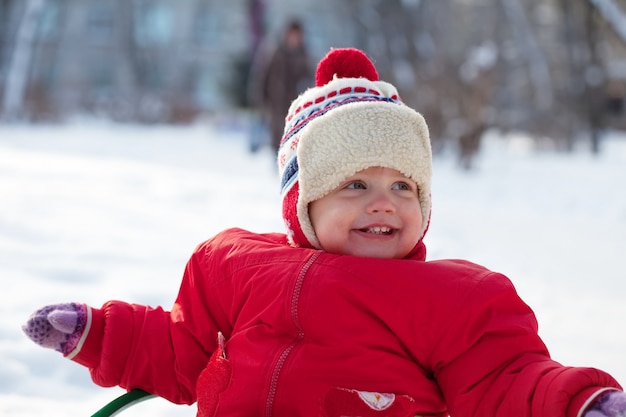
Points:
[(554, 69)]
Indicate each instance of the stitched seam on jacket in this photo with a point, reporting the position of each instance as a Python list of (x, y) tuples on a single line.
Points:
[(295, 300)]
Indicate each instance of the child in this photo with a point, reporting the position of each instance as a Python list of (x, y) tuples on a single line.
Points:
[(342, 316)]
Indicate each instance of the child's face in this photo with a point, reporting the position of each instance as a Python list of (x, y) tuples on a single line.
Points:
[(374, 213)]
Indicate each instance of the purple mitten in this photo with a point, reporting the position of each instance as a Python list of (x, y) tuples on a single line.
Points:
[(612, 404), (57, 326)]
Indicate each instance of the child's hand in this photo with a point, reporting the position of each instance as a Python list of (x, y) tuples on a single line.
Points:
[(57, 326), (612, 404)]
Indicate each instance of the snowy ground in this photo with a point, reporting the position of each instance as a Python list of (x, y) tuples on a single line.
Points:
[(92, 212)]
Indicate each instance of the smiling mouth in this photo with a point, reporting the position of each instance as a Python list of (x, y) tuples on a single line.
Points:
[(377, 230)]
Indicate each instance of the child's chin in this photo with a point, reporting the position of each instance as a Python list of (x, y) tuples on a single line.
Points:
[(374, 253)]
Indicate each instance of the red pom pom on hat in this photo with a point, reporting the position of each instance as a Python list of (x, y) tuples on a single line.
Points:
[(344, 63)]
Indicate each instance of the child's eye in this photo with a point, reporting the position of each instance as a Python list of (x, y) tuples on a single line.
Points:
[(403, 186), (356, 185)]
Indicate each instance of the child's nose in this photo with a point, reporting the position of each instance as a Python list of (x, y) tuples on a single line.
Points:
[(381, 202)]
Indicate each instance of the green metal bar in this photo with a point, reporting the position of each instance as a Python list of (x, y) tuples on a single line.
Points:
[(122, 402)]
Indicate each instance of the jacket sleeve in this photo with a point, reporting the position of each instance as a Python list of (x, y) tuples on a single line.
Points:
[(491, 361), (161, 352)]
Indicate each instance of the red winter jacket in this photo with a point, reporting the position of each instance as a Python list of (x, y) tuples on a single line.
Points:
[(308, 333)]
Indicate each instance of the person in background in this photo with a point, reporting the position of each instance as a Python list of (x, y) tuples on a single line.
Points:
[(341, 315), (287, 74)]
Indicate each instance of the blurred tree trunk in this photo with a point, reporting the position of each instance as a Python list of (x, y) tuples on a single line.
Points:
[(72, 79), (610, 12), (8, 8), (587, 77), (613, 14), (20, 64), (180, 65), (595, 79), (538, 68), (126, 67)]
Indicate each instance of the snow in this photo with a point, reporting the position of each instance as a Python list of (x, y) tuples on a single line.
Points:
[(95, 211)]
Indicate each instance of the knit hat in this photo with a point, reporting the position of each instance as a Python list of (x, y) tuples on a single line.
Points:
[(348, 122)]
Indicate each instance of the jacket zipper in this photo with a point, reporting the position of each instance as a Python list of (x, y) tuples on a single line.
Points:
[(295, 300)]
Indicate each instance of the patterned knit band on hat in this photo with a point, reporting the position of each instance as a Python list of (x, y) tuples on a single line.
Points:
[(348, 122)]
